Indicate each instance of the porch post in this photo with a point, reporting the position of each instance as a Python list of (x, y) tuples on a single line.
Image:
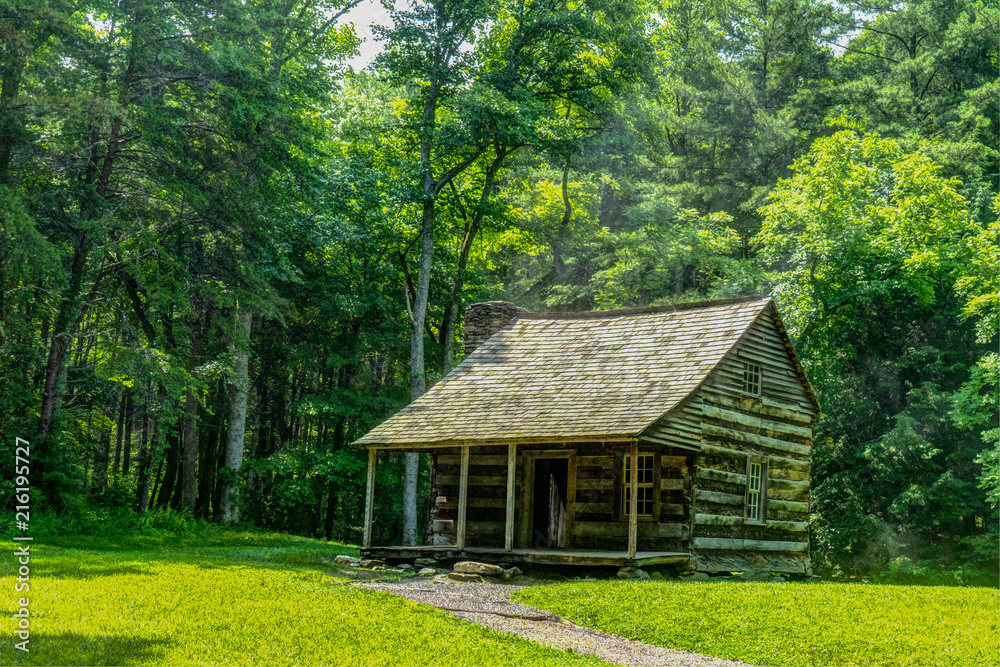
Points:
[(463, 492), (633, 492), (369, 498), (508, 536)]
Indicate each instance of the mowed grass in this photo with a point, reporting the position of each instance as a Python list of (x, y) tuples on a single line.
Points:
[(791, 624), (245, 599)]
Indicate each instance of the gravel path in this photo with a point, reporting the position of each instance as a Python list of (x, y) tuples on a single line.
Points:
[(489, 604)]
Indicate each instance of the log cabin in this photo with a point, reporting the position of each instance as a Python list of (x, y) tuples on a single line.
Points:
[(676, 435)]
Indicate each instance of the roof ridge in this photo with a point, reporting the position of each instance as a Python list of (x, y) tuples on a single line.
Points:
[(642, 310)]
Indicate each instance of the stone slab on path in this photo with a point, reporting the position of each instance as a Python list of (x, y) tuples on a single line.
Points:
[(472, 567), (489, 605)]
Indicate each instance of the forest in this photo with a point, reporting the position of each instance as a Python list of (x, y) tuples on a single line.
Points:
[(225, 253)]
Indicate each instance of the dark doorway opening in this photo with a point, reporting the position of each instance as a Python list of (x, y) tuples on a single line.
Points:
[(549, 511)]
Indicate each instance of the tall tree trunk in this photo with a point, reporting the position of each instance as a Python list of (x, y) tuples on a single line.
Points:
[(331, 503), (189, 453), (219, 464), (127, 441), (101, 464), (120, 434), (259, 420), (418, 377), (418, 315), (177, 493), (156, 483), (208, 445), (558, 265), (11, 116), (452, 308), (189, 435), (147, 466), (238, 390), (170, 477), (143, 461), (142, 457), (71, 310)]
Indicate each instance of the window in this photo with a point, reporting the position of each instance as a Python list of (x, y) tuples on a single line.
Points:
[(644, 495), (756, 489), (751, 379)]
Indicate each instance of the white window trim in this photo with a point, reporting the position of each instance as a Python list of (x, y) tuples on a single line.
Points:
[(756, 498)]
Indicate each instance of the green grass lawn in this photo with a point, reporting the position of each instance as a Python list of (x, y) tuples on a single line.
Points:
[(791, 624), (229, 598)]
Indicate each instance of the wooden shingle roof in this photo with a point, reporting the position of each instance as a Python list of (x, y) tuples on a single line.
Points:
[(595, 375)]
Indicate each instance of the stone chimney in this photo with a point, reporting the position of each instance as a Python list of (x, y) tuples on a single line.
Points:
[(482, 320)]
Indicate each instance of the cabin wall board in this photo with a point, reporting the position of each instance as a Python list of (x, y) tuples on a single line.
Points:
[(667, 530), (681, 428), (734, 426)]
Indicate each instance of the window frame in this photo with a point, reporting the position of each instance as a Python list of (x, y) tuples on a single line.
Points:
[(760, 461), (622, 488), (752, 371)]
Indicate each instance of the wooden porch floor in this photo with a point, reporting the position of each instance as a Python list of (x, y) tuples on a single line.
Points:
[(583, 557)]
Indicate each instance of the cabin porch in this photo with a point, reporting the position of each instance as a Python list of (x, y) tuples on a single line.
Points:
[(557, 503), (580, 557)]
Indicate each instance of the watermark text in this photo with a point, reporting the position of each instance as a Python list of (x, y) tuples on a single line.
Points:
[(22, 552)]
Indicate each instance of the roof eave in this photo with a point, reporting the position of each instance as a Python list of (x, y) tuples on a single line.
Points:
[(468, 442)]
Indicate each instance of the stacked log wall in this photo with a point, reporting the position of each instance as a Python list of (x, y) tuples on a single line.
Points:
[(600, 522), (681, 428), (485, 514), (735, 425)]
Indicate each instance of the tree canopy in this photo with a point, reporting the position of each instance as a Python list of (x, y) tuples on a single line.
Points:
[(225, 254)]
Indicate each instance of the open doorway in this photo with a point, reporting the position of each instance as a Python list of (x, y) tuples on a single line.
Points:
[(549, 511)]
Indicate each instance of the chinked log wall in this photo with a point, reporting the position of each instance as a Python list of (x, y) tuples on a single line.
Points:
[(778, 424), (600, 519), (485, 507), (597, 520)]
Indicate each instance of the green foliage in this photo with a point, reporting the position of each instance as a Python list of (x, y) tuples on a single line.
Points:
[(109, 523), (790, 624), (866, 244), (658, 258), (860, 221), (979, 283), (977, 405), (925, 73)]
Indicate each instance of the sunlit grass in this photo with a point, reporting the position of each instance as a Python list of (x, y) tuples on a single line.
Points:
[(791, 624), (240, 599)]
